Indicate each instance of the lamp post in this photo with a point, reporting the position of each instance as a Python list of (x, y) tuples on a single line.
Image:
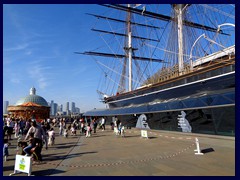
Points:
[(225, 24), (190, 58), (205, 37)]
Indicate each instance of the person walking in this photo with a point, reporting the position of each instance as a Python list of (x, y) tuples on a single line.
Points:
[(61, 127), (10, 126), (27, 126), (16, 128), (22, 126), (88, 132), (82, 122), (117, 123), (103, 123), (94, 125), (5, 149)]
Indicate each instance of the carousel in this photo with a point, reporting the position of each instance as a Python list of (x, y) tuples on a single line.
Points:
[(30, 107)]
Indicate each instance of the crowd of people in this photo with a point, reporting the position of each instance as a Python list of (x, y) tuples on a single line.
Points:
[(32, 136)]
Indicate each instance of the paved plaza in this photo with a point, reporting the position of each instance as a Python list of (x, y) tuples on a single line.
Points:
[(164, 153)]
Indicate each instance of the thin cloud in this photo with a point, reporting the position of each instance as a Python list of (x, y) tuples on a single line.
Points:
[(38, 73), (12, 76), (28, 53), (15, 80), (16, 48), (42, 82), (78, 71)]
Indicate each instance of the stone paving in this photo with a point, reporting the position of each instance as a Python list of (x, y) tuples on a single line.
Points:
[(164, 153)]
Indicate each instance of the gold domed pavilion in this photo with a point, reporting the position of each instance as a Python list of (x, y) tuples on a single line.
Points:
[(31, 106)]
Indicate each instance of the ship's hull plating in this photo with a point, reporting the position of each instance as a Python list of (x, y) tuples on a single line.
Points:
[(211, 82), (217, 121)]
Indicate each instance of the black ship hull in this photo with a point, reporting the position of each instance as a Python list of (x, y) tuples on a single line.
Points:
[(218, 81)]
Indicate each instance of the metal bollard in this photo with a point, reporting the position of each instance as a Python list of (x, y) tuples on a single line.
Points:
[(198, 148)]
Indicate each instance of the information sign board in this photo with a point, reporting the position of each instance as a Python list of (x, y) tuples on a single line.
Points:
[(23, 164), (144, 133)]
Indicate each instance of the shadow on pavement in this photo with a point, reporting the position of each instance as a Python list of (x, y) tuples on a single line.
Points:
[(8, 168), (93, 136), (152, 137), (65, 146), (126, 136), (52, 157), (208, 150), (47, 172), (59, 144)]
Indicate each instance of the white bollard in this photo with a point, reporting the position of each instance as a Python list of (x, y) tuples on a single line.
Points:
[(198, 148)]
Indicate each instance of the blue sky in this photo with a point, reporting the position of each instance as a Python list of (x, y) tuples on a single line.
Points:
[(39, 42)]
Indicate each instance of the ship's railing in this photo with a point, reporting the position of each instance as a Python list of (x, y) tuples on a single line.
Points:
[(167, 73), (225, 52), (173, 72)]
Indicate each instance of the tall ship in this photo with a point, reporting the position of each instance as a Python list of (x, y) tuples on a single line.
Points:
[(166, 61)]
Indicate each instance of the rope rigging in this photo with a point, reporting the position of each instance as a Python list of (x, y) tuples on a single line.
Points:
[(151, 45)]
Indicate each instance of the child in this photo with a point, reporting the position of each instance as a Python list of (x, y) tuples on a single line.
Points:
[(65, 133), (16, 129), (122, 131), (83, 131), (32, 144), (73, 130), (89, 129), (51, 135), (5, 149)]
